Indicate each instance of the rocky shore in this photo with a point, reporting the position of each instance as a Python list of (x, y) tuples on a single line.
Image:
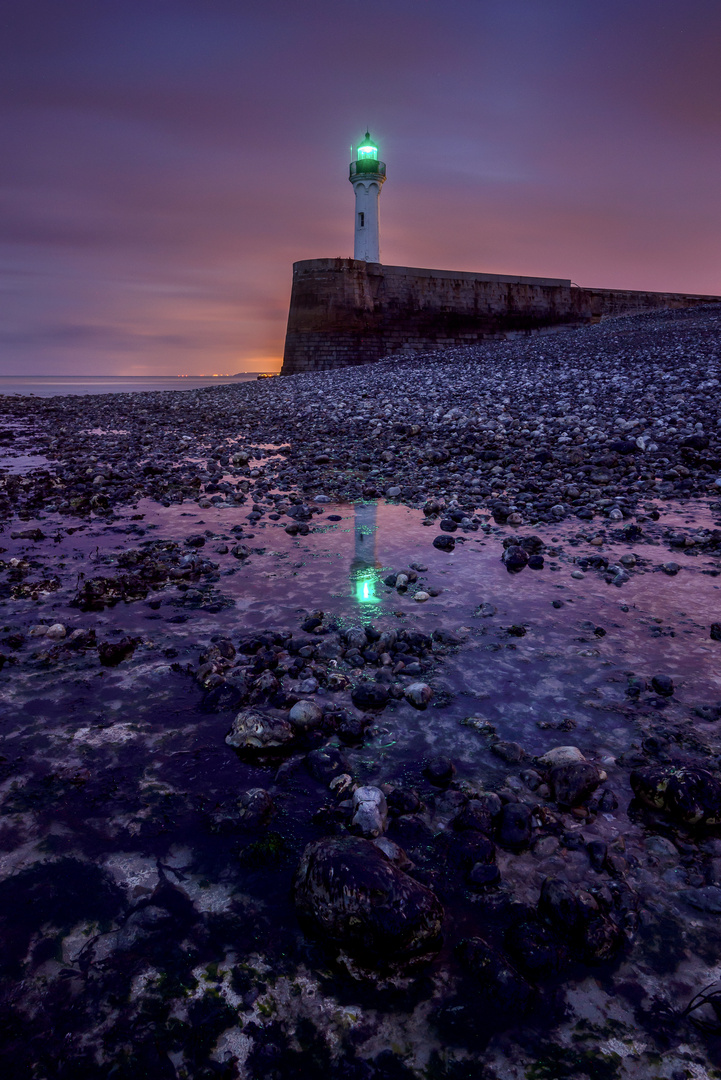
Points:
[(367, 724)]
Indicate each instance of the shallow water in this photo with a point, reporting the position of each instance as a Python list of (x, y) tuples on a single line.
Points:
[(122, 767)]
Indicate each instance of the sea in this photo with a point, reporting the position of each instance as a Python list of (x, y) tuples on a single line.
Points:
[(61, 385)]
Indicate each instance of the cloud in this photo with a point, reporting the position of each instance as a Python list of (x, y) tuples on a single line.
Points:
[(164, 164)]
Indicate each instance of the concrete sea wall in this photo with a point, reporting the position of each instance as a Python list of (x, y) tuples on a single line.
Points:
[(345, 312)]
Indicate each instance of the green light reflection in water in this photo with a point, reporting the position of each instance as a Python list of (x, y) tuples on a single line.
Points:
[(365, 589)]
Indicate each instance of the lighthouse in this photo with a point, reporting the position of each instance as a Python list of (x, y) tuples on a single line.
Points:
[(367, 175)]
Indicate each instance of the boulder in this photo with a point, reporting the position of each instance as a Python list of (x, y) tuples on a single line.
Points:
[(560, 755), (370, 696), (579, 922), (255, 807), (515, 558), (254, 732), (305, 715), (663, 685), (327, 762), (350, 893), (573, 783), (506, 988), (370, 812), (689, 795), (418, 694), (514, 826), (439, 771)]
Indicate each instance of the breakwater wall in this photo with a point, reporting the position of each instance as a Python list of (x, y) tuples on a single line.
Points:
[(345, 312)]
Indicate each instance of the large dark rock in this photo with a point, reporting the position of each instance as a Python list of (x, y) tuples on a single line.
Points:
[(444, 543), (663, 685), (370, 696), (574, 782), (349, 892), (515, 558), (112, 653), (439, 771), (255, 732), (514, 826), (579, 922), (692, 796), (475, 815), (327, 762), (463, 850)]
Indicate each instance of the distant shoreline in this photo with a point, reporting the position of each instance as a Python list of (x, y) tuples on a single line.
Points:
[(62, 385)]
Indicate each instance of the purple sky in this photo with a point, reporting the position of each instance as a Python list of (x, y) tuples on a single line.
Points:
[(164, 162)]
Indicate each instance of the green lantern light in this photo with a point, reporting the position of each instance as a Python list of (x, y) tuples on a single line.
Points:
[(367, 148)]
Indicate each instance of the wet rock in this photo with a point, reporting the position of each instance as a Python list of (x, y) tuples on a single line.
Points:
[(371, 696), (356, 638), (305, 715), (578, 920), (689, 795), (327, 762), (255, 807), (393, 852), (506, 989), (706, 898), (560, 755), (81, 639), (350, 893), (439, 771), (545, 846), (370, 812), (608, 801), (254, 731), (709, 713), (573, 783), (114, 652), (510, 752), (464, 850), (483, 875), (418, 694), (142, 925), (715, 632), (514, 826), (404, 801), (663, 685), (515, 558), (478, 816), (351, 729), (597, 853), (444, 543)]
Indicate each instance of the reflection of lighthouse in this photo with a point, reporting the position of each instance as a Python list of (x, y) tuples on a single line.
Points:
[(365, 557)]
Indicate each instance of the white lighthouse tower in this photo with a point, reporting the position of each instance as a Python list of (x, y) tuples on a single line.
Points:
[(367, 175)]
